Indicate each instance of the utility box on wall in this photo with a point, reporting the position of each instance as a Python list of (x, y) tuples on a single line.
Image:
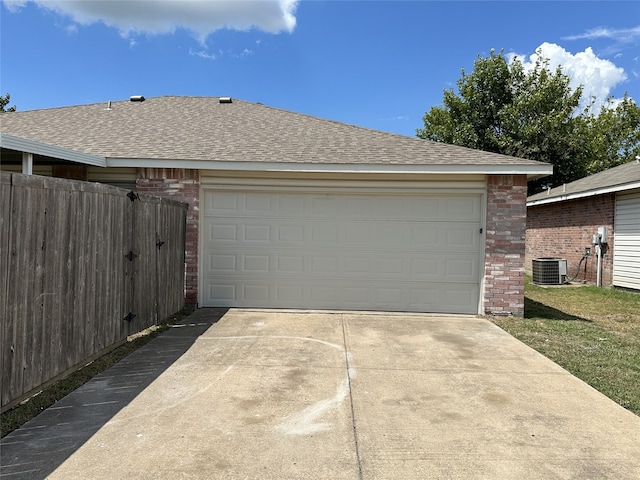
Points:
[(549, 271)]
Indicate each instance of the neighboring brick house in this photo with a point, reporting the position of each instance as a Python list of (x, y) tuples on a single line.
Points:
[(292, 211), (562, 221)]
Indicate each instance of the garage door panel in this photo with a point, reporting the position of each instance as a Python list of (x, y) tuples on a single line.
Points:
[(288, 295), (437, 298), (446, 268), (441, 208), (256, 233), (261, 293), (326, 233), (324, 206), (324, 264), (220, 203), (222, 263), (257, 203), (465, 237), (462, 208), (290, 205), (255, 293), (296, 250), (290, 233), (256, 263), (289, 264), (222, 231), (221, 293)]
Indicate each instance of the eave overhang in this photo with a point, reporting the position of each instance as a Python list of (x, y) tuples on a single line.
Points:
[(11, 142), (531, 171), (585, 194)]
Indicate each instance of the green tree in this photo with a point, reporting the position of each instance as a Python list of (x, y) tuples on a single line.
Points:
[(4, 101), (540, 122), (472, 118), (501, 107), (613, 136)]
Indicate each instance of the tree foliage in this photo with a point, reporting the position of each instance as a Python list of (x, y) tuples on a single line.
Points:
[(613, 136), (501, 107), (4, 101)]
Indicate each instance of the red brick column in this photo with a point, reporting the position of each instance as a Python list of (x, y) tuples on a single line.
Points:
[(505, 245), (183, 185)]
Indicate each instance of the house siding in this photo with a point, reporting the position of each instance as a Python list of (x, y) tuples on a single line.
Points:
[(505, 245), (565, 229), (184, 185)]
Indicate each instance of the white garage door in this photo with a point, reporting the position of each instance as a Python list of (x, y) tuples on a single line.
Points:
[(392, 252), (626, 248)]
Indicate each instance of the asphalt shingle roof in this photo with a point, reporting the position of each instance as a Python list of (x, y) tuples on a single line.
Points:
[(617, 178), (202, 128)]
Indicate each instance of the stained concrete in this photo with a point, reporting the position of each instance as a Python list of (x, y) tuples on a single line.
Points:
[(337, 395)]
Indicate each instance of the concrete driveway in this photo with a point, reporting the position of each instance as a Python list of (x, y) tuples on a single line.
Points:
[(336, 395)]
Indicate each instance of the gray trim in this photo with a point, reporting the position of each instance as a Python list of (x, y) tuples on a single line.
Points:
[(25, 145), (532, 171), (616, 179), (591, 193)]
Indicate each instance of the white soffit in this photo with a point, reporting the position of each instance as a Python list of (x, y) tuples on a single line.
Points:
[(532, 171), (19, 144)]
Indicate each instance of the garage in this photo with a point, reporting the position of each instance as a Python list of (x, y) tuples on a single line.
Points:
[(626, 250), (342, 249), (289, 210)]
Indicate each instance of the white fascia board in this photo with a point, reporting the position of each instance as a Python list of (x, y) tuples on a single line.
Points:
[(588, 193), (532, 171), (24, 145)]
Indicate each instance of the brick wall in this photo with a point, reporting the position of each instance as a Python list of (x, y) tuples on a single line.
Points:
[(505, 245), (184, 185), (564, 229)]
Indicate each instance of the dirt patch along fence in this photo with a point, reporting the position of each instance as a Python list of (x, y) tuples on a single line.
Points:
[(82, 266)]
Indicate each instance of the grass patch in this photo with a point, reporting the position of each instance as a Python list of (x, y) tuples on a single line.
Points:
[(17, 416), (592, 332)]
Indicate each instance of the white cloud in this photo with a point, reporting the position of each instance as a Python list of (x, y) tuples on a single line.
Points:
[(624, 35), (597, 76), (200, 17), (202, 54)]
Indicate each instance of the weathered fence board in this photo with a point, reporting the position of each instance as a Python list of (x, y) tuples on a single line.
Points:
[(66, 284), (6, 329), (171, 230)]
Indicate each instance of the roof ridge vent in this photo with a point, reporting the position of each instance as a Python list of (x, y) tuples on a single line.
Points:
[(225, 100), (136, 98)]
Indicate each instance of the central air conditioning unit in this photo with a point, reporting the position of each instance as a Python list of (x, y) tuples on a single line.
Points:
[(549, 271)]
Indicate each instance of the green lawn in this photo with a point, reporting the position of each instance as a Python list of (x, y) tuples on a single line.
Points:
[(592, 332)]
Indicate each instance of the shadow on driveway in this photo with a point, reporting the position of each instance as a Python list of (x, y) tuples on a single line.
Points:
[(41, 445)]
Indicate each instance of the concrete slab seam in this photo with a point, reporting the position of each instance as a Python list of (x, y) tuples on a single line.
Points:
[(351, 373)]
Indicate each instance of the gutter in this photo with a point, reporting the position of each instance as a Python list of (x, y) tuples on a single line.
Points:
[(33, 147), (531, 171), (587, 193)]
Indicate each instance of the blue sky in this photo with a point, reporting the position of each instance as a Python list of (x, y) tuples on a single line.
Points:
[(376, 64)]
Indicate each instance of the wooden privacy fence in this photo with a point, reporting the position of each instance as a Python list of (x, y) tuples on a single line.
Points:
[(82, 266)]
